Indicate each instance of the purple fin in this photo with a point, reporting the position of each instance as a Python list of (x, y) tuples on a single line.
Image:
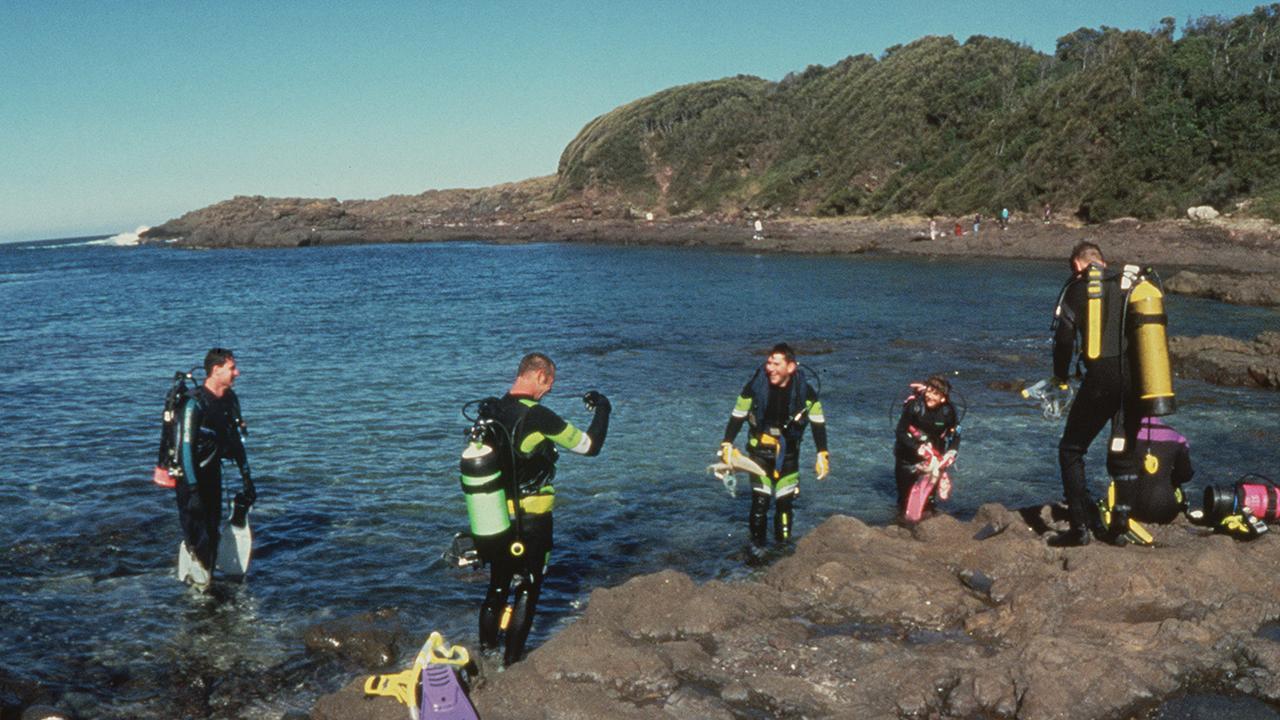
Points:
[(443, 697)]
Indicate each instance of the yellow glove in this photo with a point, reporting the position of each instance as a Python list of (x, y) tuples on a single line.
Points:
[(726, 453), (822, 464)]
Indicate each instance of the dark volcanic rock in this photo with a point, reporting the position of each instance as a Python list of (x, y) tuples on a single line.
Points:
[(1227, 361), (1250, 289), (369, 639), (930, 622)]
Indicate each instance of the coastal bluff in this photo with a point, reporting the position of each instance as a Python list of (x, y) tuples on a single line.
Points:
[(976, 619)]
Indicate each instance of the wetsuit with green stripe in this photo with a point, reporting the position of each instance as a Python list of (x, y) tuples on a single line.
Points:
[(536, 432), (777, 416)]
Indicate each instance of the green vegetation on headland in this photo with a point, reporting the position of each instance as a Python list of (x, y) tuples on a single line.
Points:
[(1115, 123)]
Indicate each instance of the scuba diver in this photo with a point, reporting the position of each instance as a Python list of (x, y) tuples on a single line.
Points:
[(928, 429), (1120, 323), (507, 473), (211, 429), (778, 402), (1166, 469)]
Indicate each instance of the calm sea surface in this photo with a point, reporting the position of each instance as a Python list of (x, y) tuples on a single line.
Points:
[(356, 362)]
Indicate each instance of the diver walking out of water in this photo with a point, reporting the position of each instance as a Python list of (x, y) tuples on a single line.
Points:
[(1119, 320), (507, 474), (210, 430), (778, 402), (928, 428)]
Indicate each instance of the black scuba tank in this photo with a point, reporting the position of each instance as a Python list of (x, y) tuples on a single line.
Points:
[(168, 469), (480, 473)]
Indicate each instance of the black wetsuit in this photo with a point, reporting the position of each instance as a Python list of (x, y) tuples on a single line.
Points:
[(1104, 395), (536, 431), (210, 432), (774, 444), (938, 426)]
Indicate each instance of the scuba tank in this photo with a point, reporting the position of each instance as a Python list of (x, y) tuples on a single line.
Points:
[(480, 473), (1150, 344), (1253, 494), (168, 470)]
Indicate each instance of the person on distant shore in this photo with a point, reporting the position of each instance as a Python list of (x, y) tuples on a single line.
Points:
[(928, 419), (1048, 213), (933, 229), (1004, 218), (535, 431), (959, 229), (777, 402), (1103, 396), (211, 430), (977, 224)]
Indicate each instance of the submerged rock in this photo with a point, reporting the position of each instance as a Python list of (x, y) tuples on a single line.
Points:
[(1227, 361), (946, 619), (369, 639)]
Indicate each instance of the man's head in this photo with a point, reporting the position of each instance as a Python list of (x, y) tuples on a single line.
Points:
[(936, 391), (780, 365), (1084, 254), (535, 376), (220, 370)]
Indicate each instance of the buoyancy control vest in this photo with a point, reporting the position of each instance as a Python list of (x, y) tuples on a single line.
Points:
[(797, 395)]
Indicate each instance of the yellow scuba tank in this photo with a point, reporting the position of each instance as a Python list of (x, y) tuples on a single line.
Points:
[(1150, 348), (480, 472)]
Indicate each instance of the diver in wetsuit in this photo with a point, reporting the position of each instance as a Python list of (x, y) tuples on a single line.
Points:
[(1166, 468), (211, 429), (778, 402), (927, 417), (1103, 396), (535, 432)]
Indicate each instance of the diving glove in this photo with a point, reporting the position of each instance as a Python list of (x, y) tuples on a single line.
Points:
[(596, 401), (822, 464), (726, 453), (250, 493)]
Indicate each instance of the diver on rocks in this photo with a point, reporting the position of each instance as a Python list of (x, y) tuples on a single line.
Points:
[(928, 428), (1119, 323), (211, 429), (510, 464), (1166, 469), (777, 402)]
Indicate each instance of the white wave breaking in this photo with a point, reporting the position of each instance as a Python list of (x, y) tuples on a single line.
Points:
[(122, 239)]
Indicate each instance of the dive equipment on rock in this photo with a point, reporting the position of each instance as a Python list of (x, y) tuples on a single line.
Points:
[(431, 688), (1257, 494), (168, 468)]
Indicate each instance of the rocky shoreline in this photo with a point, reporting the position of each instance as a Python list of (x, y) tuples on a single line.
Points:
[(974, 619)]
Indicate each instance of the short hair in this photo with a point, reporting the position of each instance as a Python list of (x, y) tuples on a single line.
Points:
[(939, 383), (784, 350), (536, 362), (216, 357), (1088, 251)]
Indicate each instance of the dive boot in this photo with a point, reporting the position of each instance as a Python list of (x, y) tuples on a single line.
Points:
[(1075, 537)]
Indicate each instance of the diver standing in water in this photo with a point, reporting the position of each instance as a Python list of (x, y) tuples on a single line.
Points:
[(929, 426), (520, 435), (210, 430), (1126, 376), (778, 402)]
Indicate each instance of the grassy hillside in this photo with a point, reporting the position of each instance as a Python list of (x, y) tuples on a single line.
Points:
[(1114, 123)]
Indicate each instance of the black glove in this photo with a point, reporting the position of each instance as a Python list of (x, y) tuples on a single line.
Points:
[(596, 401)]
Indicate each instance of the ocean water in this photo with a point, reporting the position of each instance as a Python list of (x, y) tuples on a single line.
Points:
[(356, 362)]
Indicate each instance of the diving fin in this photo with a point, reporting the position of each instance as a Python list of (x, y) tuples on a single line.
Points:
[(235, 547), (738, 461), (918, 498), (190, 569)]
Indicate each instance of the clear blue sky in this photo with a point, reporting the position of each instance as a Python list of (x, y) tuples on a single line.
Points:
[(115, 114)]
